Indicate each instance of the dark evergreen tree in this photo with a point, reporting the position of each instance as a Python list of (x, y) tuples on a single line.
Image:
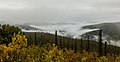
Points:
[(100, 42), (81, 45), (105, 53), (56, 38)]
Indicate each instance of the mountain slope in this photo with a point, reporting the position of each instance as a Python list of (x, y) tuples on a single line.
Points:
[(76, 30), (111, 30), (65, 29)]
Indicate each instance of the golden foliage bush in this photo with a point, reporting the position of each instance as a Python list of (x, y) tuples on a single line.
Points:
[(18, 51)]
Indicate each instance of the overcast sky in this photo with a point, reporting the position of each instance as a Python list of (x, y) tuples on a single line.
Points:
[(39, 11)]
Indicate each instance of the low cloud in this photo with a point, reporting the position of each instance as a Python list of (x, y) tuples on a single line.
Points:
[(40, 11)]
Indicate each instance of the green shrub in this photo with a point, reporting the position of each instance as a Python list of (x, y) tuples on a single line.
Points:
[(6, 33)]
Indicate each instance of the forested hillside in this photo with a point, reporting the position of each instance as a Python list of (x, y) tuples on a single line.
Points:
[(45, 47)]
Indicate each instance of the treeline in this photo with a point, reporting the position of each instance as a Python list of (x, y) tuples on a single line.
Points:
[(40, 38)]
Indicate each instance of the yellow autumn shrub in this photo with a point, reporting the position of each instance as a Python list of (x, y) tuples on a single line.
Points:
[(18, 51)]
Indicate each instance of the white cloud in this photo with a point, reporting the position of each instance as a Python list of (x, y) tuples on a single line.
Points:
[(59, 10)]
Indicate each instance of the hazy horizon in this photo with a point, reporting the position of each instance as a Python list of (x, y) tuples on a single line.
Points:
[(57, 11)]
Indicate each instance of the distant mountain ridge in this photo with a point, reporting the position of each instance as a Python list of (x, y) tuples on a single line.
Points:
[(110, 30), (27, 27)]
